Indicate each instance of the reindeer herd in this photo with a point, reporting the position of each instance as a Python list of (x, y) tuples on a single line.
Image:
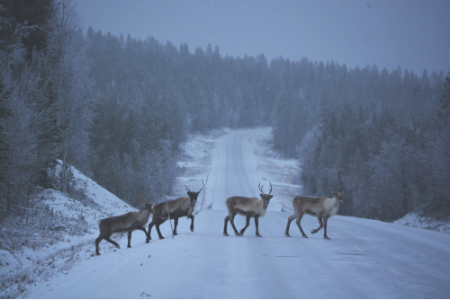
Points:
[(322, 208)]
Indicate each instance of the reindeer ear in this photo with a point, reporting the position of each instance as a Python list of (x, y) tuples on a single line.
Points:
[(261, 195)]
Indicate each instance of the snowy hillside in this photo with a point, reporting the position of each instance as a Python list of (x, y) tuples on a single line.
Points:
[(58, 233), (363, 259)]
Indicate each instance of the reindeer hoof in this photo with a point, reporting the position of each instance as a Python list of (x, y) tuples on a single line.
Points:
[(305, 236), (128, 246), (225, 234), (287, 234), (326, 238), (258, 235)]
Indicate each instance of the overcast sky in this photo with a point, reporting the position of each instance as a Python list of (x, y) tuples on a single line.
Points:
[(413, 34)]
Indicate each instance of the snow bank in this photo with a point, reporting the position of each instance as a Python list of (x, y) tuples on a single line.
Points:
[(59, 232), (414, 220)]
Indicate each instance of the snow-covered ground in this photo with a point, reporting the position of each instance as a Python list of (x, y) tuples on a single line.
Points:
[(413, 219), (61, 235), (363, 259)]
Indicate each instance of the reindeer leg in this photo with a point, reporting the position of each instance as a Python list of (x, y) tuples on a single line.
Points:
[(257, 225), (234, 226), (97, 241), (149, 231), (145, 231), (225, 233), (247, 220), (129, 238), (175, 226), (290, 219), (112, 242), (299, 218), (319, 218), (192, 222), (325, 221), (159, 232)]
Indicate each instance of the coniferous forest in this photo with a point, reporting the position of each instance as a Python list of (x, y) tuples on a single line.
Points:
[(118, 109)]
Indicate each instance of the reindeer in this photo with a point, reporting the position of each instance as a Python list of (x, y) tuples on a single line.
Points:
[(322, 208), (248, 207), (127, 222), (174, 209)]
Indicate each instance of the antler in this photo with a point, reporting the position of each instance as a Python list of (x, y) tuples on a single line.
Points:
[(261, 188), (204, 184)]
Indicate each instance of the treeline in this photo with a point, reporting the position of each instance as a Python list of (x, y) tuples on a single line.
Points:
[(151, 96), (118, 109), (375, 131), (45, 98), (384, 135)]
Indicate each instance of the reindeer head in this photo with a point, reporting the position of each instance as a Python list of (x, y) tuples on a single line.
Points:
[(194, 195), (265, 197), (148, 206), (339, 195), (145, 205)]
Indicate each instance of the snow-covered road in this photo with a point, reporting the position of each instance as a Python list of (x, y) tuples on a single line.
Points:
[(363, 259), (234, 168)]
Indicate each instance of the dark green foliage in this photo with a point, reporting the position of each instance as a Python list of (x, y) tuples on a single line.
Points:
[(36, 14), (32, 132), (377, 138), (153, 95), (4, 147)]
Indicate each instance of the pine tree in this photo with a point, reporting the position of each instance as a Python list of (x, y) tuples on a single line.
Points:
[(4, 148)]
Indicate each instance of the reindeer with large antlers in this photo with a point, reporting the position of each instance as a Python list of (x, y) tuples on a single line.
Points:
[(322, 208), (248, 207), (174, 209)]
